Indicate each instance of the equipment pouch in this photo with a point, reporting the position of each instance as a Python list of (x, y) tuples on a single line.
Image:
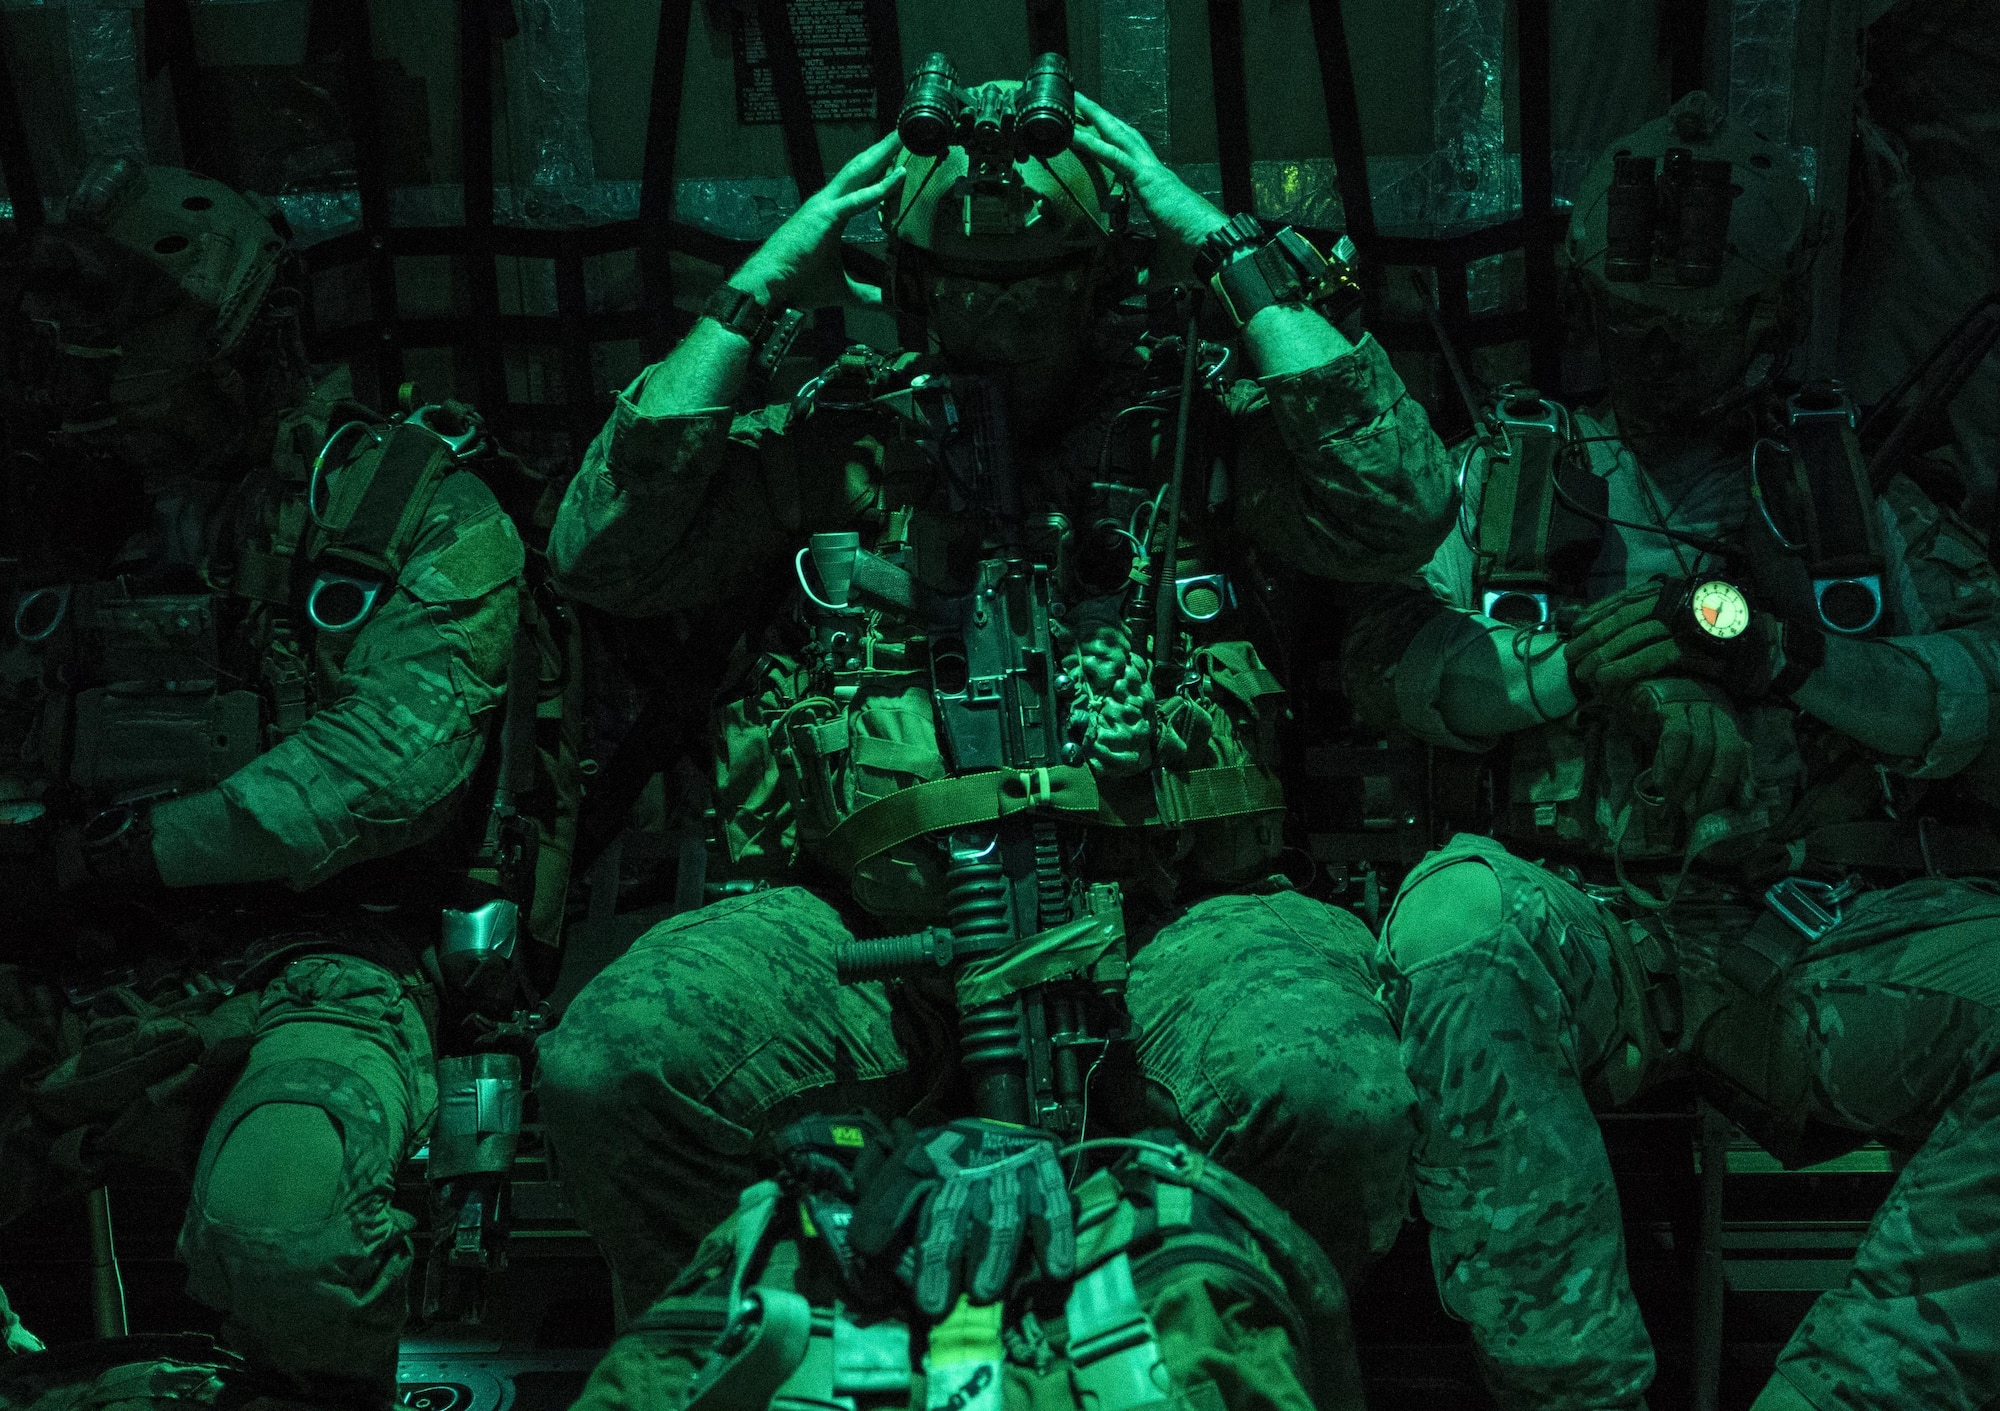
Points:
[(162, 637), (837, 760), (138, 736), (1222, 785)]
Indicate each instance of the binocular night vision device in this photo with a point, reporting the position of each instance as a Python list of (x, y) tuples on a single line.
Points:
[(1673, 211), (1035, 120)]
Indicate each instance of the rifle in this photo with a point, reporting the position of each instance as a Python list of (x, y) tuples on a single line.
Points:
[(1034, 955)]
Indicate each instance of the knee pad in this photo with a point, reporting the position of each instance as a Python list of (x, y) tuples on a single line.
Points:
[(280, 1165), (311, 1268), (1450, 908)]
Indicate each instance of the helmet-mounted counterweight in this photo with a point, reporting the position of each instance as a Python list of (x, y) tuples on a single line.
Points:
[(152, 275)]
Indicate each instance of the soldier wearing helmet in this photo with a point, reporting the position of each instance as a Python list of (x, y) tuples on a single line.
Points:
[(250, 667), (1026, 437), (1730, 693)]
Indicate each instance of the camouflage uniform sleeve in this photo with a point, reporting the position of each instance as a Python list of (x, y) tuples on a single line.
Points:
[(1403, 640), (402, 720), (1340, 473), (678, 512), (1948, 629)]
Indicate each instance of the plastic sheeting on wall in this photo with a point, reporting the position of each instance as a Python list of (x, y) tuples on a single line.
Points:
[(1762, 37), (1133, 58), (104, 60), (553, 109), (1471, 181)]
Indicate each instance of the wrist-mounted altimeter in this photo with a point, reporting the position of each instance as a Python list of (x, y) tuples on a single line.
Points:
[(1717, 609), (769, 329), (1710, 617), (1250, 270)]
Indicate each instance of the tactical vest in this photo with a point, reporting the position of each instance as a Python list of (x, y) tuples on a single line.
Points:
[(165, 698), (1812, 551), (1191, 1289), (836, 750), (1815, 546)]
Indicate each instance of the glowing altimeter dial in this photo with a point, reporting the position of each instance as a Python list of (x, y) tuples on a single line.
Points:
[(1720, 609)]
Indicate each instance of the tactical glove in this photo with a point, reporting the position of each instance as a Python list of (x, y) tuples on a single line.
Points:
[(956, 1207), (1701, 762), (1622, 639)]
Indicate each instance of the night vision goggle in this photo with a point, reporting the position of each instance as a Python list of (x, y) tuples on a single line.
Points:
[(1673, 212), (993, 124), (1001, 128)]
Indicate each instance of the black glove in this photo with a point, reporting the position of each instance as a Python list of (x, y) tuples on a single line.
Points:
[(963, 1200), (821, 1153), (1701, 762), (820, 1160), (1624, 638)]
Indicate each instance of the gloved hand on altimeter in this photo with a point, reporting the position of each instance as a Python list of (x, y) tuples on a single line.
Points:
[(1701, 760), (959, 1207)]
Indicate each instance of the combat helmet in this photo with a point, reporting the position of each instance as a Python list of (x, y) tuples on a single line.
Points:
[(1690, 212), (152, 274)]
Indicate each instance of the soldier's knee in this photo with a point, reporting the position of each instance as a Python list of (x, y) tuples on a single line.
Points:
[(279, 1166), (1440, 913), (576, 1082), (292, 1229), (1361, 1107)]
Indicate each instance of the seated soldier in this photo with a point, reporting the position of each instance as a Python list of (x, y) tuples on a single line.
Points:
[(1032, 450), (1708, 658), (238, 732)]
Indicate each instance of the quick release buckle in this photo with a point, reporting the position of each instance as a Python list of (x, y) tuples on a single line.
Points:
[(1812, 908), (1517, 607)]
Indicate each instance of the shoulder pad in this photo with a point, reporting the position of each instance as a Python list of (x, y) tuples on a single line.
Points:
[(483, 553), (303, 429)]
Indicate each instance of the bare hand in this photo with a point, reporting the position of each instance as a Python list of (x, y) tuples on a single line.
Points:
[(1175, 208), (799, 265)]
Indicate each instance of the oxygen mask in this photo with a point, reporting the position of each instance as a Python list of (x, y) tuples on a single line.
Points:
[(1009, 321), (1665, 364)]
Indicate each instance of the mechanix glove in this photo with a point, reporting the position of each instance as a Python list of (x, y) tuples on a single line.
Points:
[(1623, 638), (956, 1208), (1701, 762)]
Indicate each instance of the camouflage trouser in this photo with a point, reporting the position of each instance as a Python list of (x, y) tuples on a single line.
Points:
[(320, 1084), (1263, 1041), (291, 1228), (1886, 1026)]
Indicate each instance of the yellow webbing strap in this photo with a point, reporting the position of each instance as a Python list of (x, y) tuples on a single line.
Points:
[(954, 803)]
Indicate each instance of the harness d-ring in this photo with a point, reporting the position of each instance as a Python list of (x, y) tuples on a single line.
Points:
[(320, 466)]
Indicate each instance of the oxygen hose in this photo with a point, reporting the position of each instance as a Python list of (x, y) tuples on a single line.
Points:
[(1169, 543)]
